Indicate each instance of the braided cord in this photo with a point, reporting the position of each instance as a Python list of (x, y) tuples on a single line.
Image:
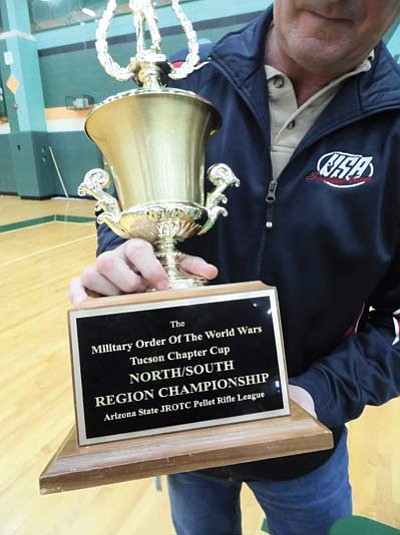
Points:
[(192, 58), (110, 66), (125, 73)]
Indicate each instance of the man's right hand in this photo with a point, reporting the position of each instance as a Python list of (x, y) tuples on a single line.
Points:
[(130, 268)]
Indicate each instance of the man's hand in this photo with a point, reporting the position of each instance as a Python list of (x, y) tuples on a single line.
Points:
[(131, 268), (302, 398)]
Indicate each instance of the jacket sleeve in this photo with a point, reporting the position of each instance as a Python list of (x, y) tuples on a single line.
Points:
[(365, 368), (107, 239)]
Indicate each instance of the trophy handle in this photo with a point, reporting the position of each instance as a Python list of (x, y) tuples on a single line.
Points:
[(93, 184), (221, 176)]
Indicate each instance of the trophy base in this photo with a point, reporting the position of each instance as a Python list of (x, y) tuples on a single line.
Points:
[(74, 467), (172, 381)]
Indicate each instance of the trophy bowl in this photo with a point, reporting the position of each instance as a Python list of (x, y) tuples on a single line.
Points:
[(154, 143)]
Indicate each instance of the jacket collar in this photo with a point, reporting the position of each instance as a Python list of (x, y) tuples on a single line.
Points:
[(242, 52), (240, 57), (361, 96)]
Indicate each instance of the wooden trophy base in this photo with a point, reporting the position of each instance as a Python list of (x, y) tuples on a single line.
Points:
[(175, 381), (74, 467)]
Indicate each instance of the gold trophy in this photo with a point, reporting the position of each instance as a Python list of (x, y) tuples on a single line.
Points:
[(154, 139), (194, 376)]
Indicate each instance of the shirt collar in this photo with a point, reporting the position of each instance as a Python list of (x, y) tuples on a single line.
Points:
[(364, 66)]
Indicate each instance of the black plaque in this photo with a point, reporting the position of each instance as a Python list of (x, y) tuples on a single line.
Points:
[(155, 368)]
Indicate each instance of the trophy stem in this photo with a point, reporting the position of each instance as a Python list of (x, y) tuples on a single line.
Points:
[(170, 259)]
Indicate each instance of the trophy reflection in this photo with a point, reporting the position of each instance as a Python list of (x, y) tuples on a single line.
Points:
[(154, 140)]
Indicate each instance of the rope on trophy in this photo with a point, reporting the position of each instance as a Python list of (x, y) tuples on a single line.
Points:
[(143, 12), (111, 67), (192, 58)]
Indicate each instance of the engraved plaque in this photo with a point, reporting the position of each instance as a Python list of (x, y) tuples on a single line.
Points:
[(200, 360)]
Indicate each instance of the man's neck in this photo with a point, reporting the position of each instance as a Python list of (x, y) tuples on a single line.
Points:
[(305, 83)]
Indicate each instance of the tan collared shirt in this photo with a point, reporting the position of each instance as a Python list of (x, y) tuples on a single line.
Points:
[(289, 122)]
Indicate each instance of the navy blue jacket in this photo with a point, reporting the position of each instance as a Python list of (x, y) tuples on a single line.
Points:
[(333, 250)]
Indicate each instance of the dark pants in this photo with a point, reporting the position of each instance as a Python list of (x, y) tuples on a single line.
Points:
[(308, 505)]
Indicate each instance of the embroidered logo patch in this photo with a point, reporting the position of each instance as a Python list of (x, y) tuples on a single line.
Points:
[(343, 170)]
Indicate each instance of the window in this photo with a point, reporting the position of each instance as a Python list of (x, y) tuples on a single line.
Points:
[(48, 14)]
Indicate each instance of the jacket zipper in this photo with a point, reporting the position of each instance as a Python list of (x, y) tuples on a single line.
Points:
[(273, 184), (271, 200)]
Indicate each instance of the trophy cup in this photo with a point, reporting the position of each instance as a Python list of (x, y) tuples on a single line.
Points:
[(194, 376), (154, 141)]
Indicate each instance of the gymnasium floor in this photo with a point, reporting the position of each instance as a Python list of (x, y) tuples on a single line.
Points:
[(43, 244)]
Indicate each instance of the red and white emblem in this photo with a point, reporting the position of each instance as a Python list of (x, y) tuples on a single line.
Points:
[(343, 170)]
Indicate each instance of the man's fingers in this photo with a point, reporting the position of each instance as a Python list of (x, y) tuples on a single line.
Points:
[(140, 254), (131, 268), (97, 282), (198, 266), (77, 292), (114, 268)]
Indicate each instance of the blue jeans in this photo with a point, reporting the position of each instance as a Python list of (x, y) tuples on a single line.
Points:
[(308, 505)]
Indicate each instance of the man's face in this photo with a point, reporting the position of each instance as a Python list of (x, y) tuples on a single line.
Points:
[(331, 36)]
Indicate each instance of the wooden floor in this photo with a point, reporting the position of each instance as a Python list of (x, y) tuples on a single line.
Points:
[(36, 407)]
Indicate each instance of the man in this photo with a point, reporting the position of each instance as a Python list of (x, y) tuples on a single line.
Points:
[(311, 106)]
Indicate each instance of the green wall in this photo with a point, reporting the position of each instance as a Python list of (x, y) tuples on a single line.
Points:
[(78, 72), (68, 72), (75, 155), (392, 40), (7, 177), (34, 172), (69, 67)]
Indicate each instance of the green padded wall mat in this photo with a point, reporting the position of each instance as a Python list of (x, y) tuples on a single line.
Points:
[(357, 525)]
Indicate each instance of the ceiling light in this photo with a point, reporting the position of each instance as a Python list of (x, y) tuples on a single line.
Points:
[(89, 12)]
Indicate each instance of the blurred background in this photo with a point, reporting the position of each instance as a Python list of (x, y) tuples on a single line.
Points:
[(49, 81), (50, 77)]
